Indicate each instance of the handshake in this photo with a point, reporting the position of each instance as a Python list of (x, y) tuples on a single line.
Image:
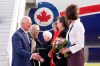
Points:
[(36, 56)]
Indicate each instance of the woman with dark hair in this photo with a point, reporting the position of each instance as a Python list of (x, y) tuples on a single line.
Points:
[(63, 28), (62, 25), (75, 35)]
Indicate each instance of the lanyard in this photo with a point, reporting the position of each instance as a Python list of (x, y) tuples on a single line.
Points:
[(69, 31)]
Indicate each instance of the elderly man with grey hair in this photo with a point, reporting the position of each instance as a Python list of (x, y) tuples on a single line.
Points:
[(21, 50)]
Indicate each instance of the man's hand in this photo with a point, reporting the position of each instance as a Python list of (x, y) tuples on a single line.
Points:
[(36, 56)]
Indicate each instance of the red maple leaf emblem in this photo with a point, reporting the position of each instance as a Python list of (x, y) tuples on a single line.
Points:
[(43, 17)]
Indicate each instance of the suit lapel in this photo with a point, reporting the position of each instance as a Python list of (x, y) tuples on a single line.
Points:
[(24, 37)]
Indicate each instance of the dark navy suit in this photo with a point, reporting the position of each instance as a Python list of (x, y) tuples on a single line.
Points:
[(21, 51)]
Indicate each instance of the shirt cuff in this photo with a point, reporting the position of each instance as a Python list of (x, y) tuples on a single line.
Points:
[(31, 57)]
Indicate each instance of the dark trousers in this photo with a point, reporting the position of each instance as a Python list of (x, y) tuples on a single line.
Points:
[(59, 62), (46, 62), (62, 62), (76, 59)]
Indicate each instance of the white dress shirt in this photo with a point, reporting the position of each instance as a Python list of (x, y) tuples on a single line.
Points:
[(76, 36)]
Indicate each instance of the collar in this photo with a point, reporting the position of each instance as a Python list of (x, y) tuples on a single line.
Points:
[(24, 30), (76, 22)]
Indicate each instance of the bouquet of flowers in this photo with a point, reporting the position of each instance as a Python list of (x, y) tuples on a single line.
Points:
[(60, 43)]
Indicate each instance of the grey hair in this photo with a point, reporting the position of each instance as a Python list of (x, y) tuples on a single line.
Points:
[(47, 33), (24, 19), (32, 29), (54, 24)]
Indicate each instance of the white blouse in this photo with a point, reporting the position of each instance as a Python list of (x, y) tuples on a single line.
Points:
[(76, 36)]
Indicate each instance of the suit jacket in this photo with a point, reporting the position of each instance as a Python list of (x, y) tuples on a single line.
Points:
[(21, 51)]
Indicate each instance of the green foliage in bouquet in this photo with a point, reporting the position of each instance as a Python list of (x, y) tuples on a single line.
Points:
[(61, 43)]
